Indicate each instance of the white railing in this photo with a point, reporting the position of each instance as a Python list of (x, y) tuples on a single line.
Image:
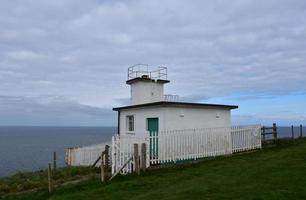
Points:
[(171, 97), (171, 146), (178, 145), (84, 156), (140, 70)]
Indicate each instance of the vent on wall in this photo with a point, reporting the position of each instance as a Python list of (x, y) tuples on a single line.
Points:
[(218, 115), (182, 114)]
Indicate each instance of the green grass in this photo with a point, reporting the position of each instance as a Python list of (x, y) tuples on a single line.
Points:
[(272, 173), (21, 182)]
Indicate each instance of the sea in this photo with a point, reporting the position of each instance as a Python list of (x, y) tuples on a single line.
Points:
[(24, 149)]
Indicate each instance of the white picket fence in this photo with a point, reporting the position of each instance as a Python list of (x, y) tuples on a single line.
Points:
[(84, 156), (245, 138), (123, 150), (178, 145), (170, 146)]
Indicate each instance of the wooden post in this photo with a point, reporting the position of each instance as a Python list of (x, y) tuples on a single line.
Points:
[(274, 131), (136, 159), (102, 167), (54, 161), (292, 131), (106, 152), (50, 187), (67, 155), (143, 157), (301, 131), (264, 135)]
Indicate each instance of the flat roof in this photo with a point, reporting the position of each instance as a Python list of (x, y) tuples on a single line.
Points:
[(177, 104), (146, 79)]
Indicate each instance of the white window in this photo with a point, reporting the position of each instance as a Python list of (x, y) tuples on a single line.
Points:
[(130, 123)]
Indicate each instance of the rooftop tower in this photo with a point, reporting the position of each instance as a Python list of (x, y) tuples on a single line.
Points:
[(147, 86)]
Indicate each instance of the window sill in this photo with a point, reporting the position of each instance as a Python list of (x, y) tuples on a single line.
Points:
[(130, 133)]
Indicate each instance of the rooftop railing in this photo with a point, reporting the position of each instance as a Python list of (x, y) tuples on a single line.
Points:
[(142, 70), (171, 97)]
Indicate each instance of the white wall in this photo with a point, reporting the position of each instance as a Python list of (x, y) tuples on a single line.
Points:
[(188, 118), (146, 92), (175, 118), (140, 120)]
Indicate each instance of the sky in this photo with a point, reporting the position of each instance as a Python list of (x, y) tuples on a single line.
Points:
[(64, 62)]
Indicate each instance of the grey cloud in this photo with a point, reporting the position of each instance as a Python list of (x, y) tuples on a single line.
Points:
[(268, 120), (81, 49), (193, 98), (51, 110), (123, 101)]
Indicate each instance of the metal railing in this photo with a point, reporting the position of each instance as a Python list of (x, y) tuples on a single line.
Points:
[(142, 70), (171, 97)]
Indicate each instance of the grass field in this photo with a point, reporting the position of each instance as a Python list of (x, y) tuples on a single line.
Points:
[(272, 173), (38, 180)]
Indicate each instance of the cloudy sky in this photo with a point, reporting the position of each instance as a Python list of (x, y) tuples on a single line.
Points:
[(64, 62)]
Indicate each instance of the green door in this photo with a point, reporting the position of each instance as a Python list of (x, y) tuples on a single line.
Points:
[(153, 130)]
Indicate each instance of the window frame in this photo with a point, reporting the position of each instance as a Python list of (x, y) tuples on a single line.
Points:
[(130, 124)]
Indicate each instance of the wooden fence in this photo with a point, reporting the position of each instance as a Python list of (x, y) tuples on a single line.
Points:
[(296, 133), (268, 131), (178, 145)]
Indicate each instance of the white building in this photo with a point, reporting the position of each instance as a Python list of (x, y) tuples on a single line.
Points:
[(167, 129), (151, 110)]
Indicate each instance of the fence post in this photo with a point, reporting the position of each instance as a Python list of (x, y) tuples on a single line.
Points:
[(263, 135), (50, 187), (136, 159), (301, 131), (102, 167), (274, 131), (54, 161), (292, 132), (106, 156), (67, 154), (143, 157)]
